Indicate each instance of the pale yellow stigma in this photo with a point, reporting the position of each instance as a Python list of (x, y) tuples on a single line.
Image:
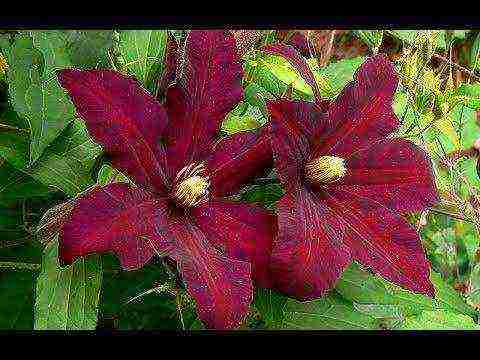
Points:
[(3, 65), (325, 169), (191, 188)]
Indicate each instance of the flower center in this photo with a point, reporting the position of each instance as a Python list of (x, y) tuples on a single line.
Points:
[(191, 186), (325, 169)]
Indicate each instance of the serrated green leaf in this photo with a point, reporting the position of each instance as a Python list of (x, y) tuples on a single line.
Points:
[(67, 298), (439, 320), (143, 52)]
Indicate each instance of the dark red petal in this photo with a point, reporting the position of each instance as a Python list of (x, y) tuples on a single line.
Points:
[(244, 232), (383, 241), (298, 62), (299, 42), (221, 286), (362, 113), (209, 88), (394, 172), (292, 125), (237, 159), (168, 75), (124, 118), (309, 256), (117, 218)]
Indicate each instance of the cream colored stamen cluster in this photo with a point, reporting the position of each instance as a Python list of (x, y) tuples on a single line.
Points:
[(325, 169), (191, 186)]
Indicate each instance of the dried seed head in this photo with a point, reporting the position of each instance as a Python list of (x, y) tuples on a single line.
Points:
[(3, 65), (191, 186), (325, 169)]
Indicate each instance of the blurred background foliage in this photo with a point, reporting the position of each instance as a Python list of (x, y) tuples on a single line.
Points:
[(47, 159)]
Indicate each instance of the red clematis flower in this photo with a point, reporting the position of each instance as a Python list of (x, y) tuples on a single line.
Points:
[(176, 210), (345, 182)]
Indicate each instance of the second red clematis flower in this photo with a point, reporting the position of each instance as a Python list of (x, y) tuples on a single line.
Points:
[(176, 210), (346, 182)]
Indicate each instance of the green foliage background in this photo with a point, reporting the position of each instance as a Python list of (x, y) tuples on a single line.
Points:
[(47, 158)]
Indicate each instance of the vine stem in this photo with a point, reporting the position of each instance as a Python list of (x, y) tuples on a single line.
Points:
[(458, 66)]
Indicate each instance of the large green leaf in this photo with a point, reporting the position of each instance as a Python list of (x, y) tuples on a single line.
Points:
[(143, 52), (16, 185), (67, 298), (67, 163), (439, 320), (16, 303), (88, 48), (270, 305), (14, 139), (364, 288), (328, 313), (34, 89)]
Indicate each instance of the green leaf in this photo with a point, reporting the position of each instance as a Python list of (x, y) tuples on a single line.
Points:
[(143, 52), (151, 311), (327, 313), (439, 320), (250, 119), (470, 95), (270, 305), (265, 194), (409, 36), (88, 48), (67, 298), (275, 74), (16, 185), (475, 54), (14, 139), (16, 304), (373, 38), (333, 78), (108, 175), (34, 89), (473, 294), (67, 163), (361, 287), (387, 316)]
